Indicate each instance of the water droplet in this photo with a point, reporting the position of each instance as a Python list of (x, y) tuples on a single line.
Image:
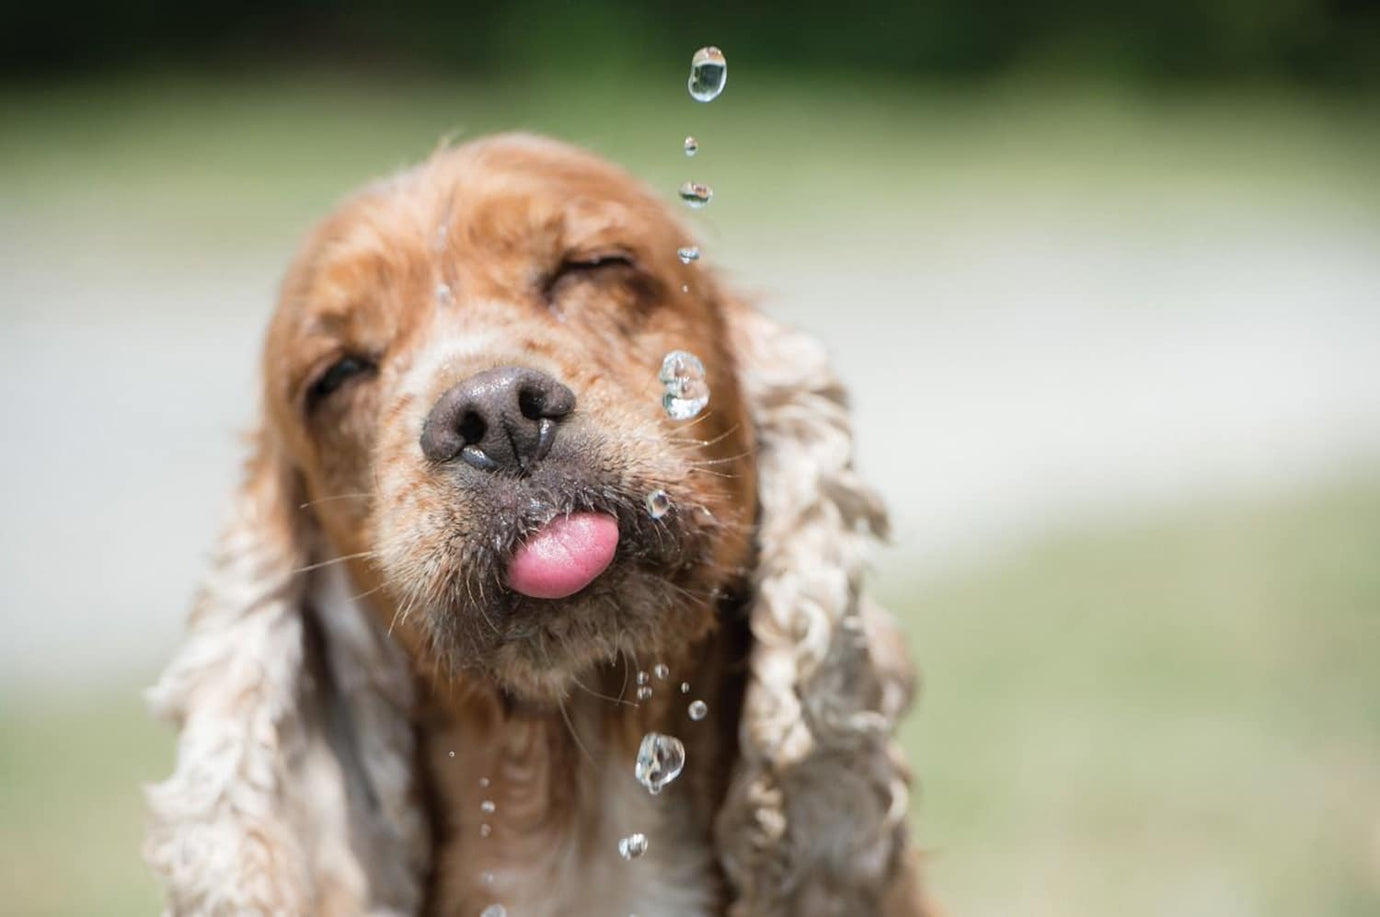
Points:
[(487, 878), (688, 253), (494, 910), (698, 710), (685, 687), (644, 692), (438, 241), (659, 761), (632, 846), (658, 503), (484, 782), (643, 678), (486, 829), (452, 754), (687, 392), (692, 146), (696, 195), (488, 807), (443, 294), (708, 74), (685, 288), (661, 670)]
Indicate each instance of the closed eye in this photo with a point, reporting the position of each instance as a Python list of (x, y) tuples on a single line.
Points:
[(588, 267), (335, 376)]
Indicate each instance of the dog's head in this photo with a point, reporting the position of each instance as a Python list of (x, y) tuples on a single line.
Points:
[(464, 369)]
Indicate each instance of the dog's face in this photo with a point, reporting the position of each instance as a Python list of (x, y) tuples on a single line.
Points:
[(463, 370)]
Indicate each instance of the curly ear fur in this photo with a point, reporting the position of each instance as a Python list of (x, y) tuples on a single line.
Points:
[(291, 790), (814, 820)]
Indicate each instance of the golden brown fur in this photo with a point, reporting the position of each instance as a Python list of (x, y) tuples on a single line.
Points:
[(348, 544)]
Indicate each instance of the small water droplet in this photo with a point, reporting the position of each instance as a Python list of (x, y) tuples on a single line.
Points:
[(688, 253), (644, 692), (452, 754), (685, 687), (443, 294), (486, 829), (438, 241), (687, 392), (486, 877), (658, 503), (685, 288), (659, 761), (698, 710), (488, 807), (484, 781), (632, 846), (494, 910), (692, 146), (661, 670), (708, 74), (697, 196), (643, 678)]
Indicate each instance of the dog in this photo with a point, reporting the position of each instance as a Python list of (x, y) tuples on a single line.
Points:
[(496, 568)]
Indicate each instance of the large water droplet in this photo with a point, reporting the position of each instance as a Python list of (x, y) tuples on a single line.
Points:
[(698, 710), (708, 74), (696, 195), (688, 253), (661, 670), (658, 503), (659, 761), (488, 807), (632, 846), (692, 146), (494, 910), (687, 392)]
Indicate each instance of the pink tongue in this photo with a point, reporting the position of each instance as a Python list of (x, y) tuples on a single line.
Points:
[(565, 556)]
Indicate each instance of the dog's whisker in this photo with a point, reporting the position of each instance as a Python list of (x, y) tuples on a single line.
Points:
[(310, 503), (334, 560)]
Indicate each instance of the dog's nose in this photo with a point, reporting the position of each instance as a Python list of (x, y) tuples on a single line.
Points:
[(501, 419)]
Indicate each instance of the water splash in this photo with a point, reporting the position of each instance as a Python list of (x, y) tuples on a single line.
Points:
[(632, 846), (697, 196), (688, 253), (698, 710), (692, 146), (660, 759), (708, 74), (687, 391), (658, 504)]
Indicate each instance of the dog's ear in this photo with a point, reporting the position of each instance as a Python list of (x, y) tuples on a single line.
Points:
[(293, 762), (814, 820)]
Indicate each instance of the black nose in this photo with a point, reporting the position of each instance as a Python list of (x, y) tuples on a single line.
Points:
[(502, 419)]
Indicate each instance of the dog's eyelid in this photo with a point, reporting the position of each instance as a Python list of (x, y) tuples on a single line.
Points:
[(334, 374), (610, 257)]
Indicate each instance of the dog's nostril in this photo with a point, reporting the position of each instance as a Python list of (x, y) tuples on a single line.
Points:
[(472, 428), (532, 403)]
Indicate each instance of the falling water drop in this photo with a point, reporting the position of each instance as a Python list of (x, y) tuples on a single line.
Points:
[(484, 782), (643, 678), (488, 807), (692, 146), (486, 877), (486, 829), (688, 253), (696, 195), (644, 692), (687, 392), (632, 846), (658, 503), (661, 670), (494, 910), (659, 761), (698, 710), (452, 754), (685, 288), (708, 74), (685, 687)]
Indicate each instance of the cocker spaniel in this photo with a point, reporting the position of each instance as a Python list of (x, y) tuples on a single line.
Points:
[(487, 571)]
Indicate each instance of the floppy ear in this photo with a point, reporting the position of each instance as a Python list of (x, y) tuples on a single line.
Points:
[(291, 790), (814, 820)]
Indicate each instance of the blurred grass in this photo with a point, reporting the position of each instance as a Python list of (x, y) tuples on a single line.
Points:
[(1177, 717)]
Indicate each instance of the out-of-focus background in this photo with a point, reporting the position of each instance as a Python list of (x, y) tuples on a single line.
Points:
[(1105, 284)]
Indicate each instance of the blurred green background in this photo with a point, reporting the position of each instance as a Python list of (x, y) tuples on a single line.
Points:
[(1105, 285)]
